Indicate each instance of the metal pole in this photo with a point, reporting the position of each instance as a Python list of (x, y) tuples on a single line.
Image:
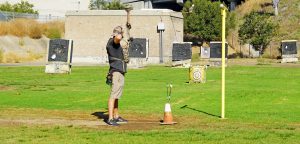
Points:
[(276, 10), (223, 13), (160, 47)]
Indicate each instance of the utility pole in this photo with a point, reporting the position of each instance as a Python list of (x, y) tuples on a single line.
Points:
[(275, 5)]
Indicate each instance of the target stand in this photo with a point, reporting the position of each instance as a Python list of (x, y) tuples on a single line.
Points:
[(59, 56), (289, 51), (138, 52), (197, 74)]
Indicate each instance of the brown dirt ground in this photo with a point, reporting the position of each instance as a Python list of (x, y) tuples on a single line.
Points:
[(36, 117), (6, 88), (32, 117)]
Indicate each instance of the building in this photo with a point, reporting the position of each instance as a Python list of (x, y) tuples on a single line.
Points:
[(58, 8), (175, 5), (91, 30)]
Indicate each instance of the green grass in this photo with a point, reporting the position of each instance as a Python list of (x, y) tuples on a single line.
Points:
[(262, 104)]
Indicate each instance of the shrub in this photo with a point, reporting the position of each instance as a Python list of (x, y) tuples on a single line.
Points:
[(257, 30), (12, 58), (18, 27), (1, 55), (54, 29), (35, 31), (32, 28), (53, 33), (3, 28)]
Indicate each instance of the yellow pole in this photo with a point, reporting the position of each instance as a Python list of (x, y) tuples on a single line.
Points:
[(223, 13)]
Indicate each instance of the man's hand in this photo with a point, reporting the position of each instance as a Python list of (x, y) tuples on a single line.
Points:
[(130, 39), (128, 25)]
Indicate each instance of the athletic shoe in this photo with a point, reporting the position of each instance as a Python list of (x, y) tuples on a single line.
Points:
[(121, 120), (112, 122)]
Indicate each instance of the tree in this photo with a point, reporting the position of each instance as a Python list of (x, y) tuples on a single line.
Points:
[(102, 4), (96, 4), (202, 20), (257, 30), (114, 5), (22, 7), (6, 7)]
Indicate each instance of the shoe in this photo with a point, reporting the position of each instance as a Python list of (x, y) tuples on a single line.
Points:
[(112, 122), (121, 120)]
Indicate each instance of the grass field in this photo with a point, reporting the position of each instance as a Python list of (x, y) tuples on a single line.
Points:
[(262, 106)]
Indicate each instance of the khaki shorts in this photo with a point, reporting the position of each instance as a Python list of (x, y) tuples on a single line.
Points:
[(117, 85)]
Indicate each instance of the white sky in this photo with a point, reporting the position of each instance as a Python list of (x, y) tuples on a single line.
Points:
[(54, 7)]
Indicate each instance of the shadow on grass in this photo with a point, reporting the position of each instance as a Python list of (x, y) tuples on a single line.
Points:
[(101, 115), (187, 107)]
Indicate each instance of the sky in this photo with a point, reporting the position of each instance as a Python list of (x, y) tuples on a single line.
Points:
[(55, 7)]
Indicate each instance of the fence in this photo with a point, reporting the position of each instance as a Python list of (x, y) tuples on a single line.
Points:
[(7, 16), (247, 50)]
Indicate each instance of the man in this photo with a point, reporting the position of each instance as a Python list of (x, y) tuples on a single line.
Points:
[(117, 71)]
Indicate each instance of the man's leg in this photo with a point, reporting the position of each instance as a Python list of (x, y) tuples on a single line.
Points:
[(116, 106), (111, 103), (116, 93), (116, 113)]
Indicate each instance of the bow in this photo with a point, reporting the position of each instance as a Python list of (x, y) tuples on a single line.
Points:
[(128, 27)]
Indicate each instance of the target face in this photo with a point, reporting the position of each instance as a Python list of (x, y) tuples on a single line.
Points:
[(197, 75)]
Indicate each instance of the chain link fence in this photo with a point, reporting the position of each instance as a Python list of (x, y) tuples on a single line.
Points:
[(7, 16)]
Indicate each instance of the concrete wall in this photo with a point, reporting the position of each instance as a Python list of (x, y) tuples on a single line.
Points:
[(91, 30)]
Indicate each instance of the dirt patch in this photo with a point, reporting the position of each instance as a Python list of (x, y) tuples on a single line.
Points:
[(60, 122), (132, 125), (137, 122), (88, 119), (6, 88)]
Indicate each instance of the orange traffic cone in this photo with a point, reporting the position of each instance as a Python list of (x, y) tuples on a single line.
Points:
[(168, 118)]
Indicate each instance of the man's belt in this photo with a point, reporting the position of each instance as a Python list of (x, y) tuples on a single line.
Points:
[(114, 58)]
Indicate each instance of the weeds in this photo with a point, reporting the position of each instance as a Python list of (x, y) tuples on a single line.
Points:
[(1, 55), (32, 28), (21, 42), (11, 57)]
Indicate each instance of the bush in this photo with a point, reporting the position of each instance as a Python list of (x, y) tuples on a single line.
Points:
[(3, 28), (18, 27), (1, 55), (257, 30), (35, 31), (12, 58), (53, 33), (54, 29), (32, 28)]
